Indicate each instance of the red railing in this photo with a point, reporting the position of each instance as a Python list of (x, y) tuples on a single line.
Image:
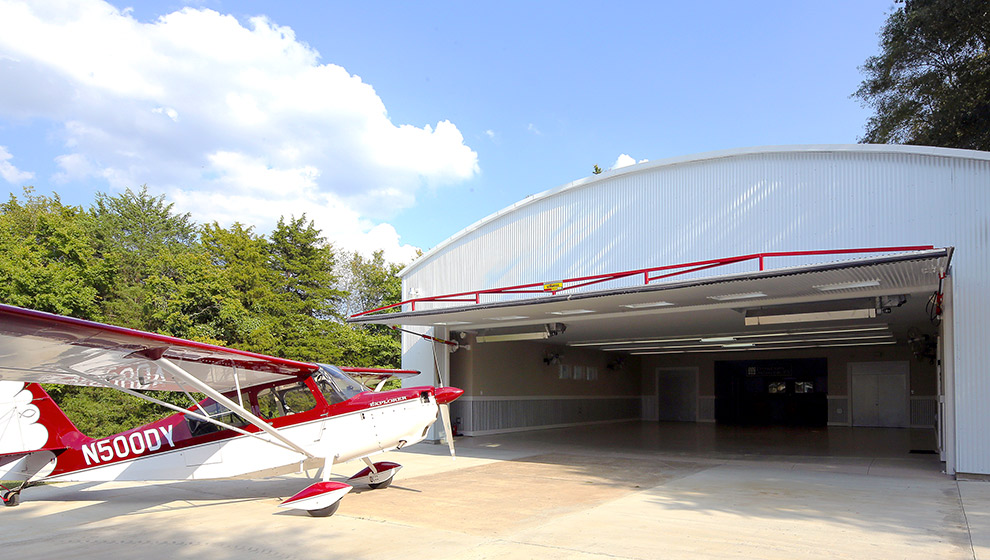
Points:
[(648, 276)]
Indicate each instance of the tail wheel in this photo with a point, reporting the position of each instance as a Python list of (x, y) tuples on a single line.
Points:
[(324, 512), (12, 498)]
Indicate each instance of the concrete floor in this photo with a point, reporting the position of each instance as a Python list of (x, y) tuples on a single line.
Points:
[(629, 490)]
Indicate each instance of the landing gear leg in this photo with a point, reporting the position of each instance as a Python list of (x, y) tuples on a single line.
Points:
[(12, 497)]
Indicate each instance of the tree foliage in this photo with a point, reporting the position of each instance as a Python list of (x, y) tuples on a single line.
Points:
[(931, 82), (131, 260)]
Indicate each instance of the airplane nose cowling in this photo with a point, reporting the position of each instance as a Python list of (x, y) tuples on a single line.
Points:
[(445, 395)]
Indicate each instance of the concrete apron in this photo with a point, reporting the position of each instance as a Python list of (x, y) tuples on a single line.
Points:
[(527, 497)]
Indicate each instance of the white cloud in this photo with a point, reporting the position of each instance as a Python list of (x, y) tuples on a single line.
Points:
[(10, 173), (532, 129), (623, 161), (203, 108)]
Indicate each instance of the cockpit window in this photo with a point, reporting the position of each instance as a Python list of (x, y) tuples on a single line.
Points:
[(217, 412), (279, 401), (336, 385)]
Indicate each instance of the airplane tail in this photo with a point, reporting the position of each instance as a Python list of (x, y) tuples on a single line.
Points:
[(30, 420)]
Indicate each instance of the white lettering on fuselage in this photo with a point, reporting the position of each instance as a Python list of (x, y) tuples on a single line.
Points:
[(122, 446), (388, 401)]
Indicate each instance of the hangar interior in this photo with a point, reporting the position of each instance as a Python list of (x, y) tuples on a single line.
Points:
[(849, 342)]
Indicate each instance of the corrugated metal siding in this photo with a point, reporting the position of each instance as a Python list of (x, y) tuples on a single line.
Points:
[(775, 199)]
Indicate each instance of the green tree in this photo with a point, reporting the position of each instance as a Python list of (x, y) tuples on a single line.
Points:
[(47, 259), (304, 263), (371, 283), (129, 231), (931, 82)]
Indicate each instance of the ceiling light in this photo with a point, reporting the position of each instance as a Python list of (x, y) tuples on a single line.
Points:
[(762, 348), (453, 323), (571, 312), (647, 341), (847, 285), (735, 337), (740, 345), (813, 332), (650, 304), (836, 315), (508, 318), (733, 297), (542, 335)]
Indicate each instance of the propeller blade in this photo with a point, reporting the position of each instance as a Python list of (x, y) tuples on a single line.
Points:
[(445, 417)]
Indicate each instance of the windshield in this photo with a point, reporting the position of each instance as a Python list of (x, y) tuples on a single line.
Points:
[(336, 385)]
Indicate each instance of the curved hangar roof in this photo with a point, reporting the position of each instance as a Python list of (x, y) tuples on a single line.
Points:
[(714, 205), (710, 205)]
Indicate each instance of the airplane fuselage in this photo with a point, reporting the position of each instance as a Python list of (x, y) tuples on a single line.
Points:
[(171, 449)]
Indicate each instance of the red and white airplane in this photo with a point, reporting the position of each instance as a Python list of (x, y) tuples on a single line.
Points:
[(263, 416)]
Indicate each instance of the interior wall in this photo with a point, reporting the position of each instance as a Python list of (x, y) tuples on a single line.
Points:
[(923, 380), (510, 386), (922, 385), (518, 369)]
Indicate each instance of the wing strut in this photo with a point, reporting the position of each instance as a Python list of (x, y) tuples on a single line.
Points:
[(203, 417), (231, 405)]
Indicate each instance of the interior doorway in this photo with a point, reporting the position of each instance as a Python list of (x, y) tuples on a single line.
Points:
[(879, 393), (677, 394), (792, 392)]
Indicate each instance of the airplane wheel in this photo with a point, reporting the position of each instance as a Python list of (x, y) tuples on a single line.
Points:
[(325, 512), (11, 499), (385, 484)]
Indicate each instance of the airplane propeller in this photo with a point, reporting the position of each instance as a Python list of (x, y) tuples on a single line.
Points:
[(444, 396)]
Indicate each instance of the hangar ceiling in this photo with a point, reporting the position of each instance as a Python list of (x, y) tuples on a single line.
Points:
[(854, 302)]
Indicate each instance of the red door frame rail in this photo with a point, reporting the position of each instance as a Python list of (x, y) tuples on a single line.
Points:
[(678, 269)]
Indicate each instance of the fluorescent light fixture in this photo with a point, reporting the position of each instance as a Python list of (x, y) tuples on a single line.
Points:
[(453, 323), (664, 347), (733, 297), (847, 285), (508, 318), (837, 315), (542, 335), (571, 312), (647, 341), (649, 304), (735, 337), (761, 348), (754, 344), (814, 332)]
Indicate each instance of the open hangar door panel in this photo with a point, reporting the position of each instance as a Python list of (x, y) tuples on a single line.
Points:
[(789, 392), (860, 309)]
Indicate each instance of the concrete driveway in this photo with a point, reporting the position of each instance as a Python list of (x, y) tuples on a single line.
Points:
[(584, 493)]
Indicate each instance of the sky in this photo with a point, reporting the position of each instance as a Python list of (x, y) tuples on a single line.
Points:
[(394, 125)]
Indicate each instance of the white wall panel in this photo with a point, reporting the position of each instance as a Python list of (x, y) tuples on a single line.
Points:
[(747, 201)]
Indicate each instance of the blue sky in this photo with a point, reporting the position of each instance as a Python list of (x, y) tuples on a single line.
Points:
[(395, 125)]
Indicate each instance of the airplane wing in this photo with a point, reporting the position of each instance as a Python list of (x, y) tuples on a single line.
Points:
[(45, 348), (377, 376)]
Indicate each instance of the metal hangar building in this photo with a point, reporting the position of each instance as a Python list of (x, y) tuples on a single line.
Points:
[(837, 285)]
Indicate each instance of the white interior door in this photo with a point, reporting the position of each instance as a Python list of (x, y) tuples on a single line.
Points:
[(879, 392), (865, 405)]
